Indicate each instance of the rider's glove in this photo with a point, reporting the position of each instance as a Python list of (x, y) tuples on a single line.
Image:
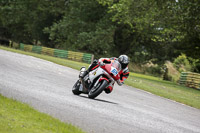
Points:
[(119, 82)]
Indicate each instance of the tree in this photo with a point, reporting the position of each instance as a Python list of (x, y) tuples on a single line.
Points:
[(24, 21), (147, 30), (86, 27)]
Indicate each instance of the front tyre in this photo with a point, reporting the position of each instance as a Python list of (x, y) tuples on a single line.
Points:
[(95, 91), (76, 87)]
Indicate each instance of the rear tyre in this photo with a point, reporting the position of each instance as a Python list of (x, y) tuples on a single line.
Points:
[(95, 91), (75, 88)]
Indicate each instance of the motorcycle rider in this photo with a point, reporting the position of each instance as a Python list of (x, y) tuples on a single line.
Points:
[(124, 73)]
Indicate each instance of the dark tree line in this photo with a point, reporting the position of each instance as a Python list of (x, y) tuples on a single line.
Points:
[(156, 30)]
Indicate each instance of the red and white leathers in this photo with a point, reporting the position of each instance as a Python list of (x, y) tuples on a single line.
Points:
[(124, 73)]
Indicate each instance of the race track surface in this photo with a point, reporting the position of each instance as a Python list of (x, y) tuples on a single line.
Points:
[(47, 87)]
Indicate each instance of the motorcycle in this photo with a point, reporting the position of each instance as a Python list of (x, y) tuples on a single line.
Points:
[(98, 80)]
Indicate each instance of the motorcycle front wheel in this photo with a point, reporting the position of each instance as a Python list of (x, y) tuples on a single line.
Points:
[(75, 88), (95, 91)]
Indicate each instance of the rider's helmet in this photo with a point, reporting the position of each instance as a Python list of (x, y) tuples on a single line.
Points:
[(123, 60)]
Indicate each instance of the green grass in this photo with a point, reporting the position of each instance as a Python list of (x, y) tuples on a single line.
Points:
[(16, 117), (170, 90), (64, 62), (148, 83)]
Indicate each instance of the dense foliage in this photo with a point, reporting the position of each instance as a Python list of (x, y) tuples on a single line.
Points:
[(146, 30)]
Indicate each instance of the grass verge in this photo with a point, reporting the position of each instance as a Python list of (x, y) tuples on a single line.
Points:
[(64, 62), (151, 84), (16, 117), (166, 89)]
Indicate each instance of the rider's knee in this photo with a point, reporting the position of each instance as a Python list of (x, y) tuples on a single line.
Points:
[(109, 89)]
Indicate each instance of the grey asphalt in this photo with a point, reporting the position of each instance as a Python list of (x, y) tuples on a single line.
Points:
[(47, 87)]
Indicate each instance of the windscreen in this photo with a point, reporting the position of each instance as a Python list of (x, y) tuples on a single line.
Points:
[(116, 65)]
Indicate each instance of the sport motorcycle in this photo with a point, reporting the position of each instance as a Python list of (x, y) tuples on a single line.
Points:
[(98, 80)]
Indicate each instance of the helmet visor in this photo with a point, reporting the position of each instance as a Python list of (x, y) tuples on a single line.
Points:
[(124, 65)]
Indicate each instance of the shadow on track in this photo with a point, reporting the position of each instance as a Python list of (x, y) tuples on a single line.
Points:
[(100, 100)]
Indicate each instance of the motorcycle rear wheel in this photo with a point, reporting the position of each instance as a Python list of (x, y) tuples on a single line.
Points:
[(95, 91), (75, 88)]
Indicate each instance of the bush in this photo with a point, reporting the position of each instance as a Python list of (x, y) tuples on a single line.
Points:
[(154, 70), (182, 64), (195, 65)]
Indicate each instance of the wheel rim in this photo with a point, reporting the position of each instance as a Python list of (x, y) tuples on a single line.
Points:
[(95, 88)]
